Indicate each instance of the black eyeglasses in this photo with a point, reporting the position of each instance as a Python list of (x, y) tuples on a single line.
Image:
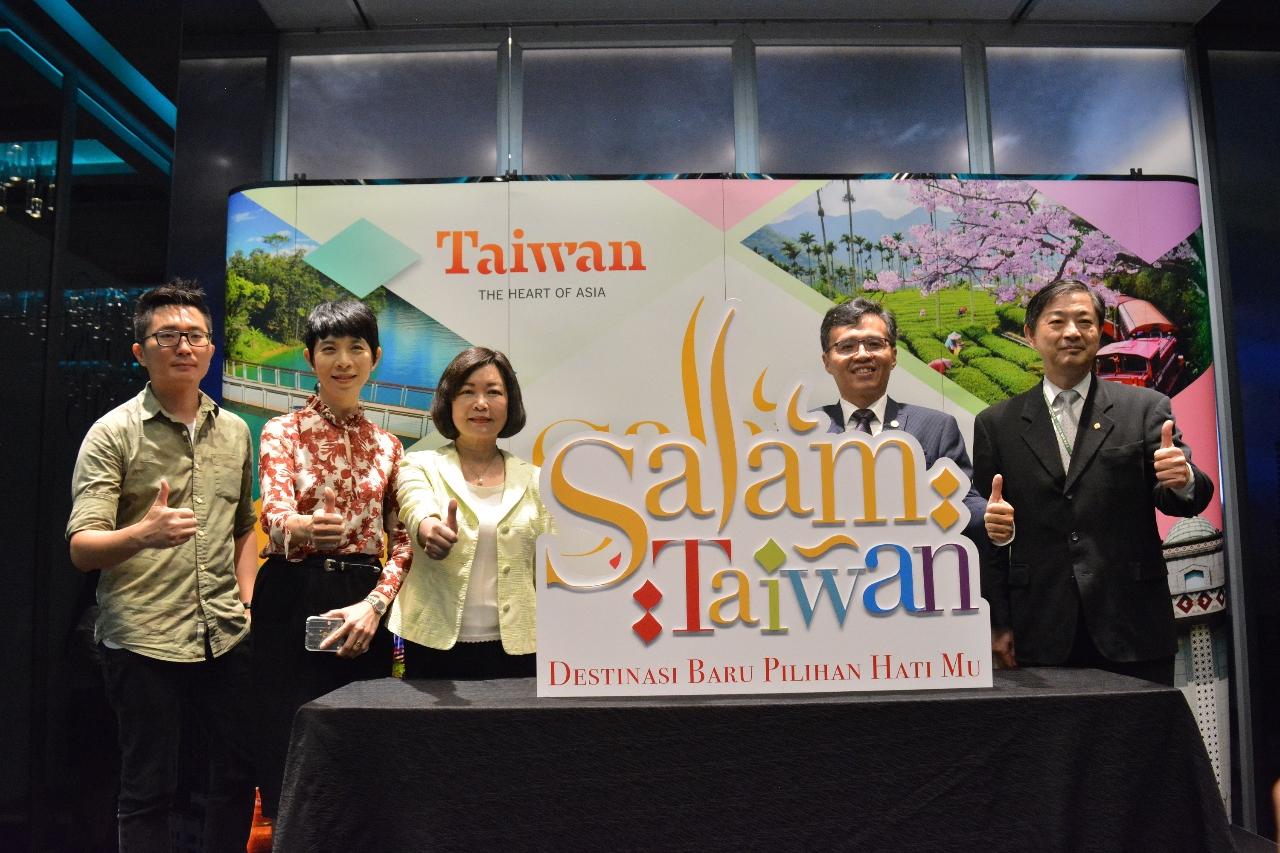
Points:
[(849, 346), (171, 338)]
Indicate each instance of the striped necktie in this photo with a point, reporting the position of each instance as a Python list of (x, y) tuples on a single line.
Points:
[(862, 419), (1068, 422)]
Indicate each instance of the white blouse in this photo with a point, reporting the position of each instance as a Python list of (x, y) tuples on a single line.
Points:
[(480, 610)]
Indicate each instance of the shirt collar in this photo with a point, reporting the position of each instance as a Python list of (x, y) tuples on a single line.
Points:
[(1052, 391), (877, 408), (351, 421), (151, 405)]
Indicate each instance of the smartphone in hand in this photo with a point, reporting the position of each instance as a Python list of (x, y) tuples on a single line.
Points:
[(319, 627)]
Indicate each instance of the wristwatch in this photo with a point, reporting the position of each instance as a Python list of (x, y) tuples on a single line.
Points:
[(379, 606)]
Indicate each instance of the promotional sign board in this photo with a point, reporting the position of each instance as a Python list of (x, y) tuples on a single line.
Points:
[(778, 559), (665, 335)]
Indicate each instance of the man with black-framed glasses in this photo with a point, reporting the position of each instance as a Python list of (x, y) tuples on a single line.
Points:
[(162, 507), (860, 350)]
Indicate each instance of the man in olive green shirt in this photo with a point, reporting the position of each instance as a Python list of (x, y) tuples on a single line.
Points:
[(162, 506)]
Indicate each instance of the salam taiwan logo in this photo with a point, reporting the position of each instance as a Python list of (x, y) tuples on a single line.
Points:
[(784, 552)]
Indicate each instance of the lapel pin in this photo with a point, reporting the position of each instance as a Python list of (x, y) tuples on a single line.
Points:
[(1097, 426), (893, 424)]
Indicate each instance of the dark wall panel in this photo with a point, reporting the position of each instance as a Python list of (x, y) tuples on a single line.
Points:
[(1245, 107), (220, 146)]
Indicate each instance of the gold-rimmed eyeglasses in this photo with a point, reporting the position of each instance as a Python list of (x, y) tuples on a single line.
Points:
[(849, 346)]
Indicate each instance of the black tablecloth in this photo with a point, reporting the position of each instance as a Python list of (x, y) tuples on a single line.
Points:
[(1048, 759)]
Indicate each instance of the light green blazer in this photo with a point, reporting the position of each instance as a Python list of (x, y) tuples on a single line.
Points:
[(428, 608)]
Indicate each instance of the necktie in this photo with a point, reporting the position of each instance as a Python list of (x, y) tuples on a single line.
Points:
[(1068, 422), (862, 420)]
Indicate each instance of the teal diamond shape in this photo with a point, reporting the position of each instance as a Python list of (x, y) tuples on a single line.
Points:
[(362, 258)]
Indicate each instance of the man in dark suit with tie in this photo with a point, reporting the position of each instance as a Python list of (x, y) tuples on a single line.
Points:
[(859, 350), (1077, 575)]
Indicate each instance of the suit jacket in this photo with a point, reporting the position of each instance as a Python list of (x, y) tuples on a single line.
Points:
[(1091, 528), (940, 438), (428, 608)]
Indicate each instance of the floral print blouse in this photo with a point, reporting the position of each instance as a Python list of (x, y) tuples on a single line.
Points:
[(304, 451)]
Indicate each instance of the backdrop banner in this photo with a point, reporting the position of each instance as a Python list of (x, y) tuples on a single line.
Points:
[(712, 536)]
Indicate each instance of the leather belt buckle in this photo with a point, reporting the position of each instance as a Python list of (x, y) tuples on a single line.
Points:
[(332, 565)]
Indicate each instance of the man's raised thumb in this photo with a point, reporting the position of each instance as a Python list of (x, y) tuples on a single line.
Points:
[(330, 501), (162, 496), (452, 519), (997, 487), (1166, 435)]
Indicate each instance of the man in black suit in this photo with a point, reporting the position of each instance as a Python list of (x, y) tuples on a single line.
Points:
[(1080, 578), (859, 350)]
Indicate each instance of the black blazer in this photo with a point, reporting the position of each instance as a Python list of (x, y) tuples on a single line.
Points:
[(1092, 528)]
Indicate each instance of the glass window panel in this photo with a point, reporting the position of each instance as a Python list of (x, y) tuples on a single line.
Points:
[(393, 115), (861, 109), (119, 213), (1089, 111), (31, 113), (29, 130), (628, 111)]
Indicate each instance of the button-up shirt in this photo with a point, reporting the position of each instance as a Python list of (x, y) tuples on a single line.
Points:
[(165, 603), (1081, 388), (877, 409)]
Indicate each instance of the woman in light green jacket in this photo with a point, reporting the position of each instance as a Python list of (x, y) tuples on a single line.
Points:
[(467, 609)]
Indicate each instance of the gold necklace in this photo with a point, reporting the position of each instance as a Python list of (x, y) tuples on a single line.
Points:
[(478, 478)]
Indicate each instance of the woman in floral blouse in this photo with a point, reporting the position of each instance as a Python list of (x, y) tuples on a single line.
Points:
[(329, 510), (468, 609)]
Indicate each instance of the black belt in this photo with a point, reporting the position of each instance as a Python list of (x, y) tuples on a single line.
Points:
[(333, 564)]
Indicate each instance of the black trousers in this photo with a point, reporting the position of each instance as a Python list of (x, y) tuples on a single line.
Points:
[(285, 675), (148, 697), (467, 661)]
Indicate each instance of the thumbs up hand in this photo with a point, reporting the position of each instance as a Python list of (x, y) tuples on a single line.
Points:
[(999, 515), (165, 526), (1172, 470), (326, 524), (438, 537)]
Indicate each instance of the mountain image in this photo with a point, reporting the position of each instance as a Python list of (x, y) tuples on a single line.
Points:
[(870, 224)]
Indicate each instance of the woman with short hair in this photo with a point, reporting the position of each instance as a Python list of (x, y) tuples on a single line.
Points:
[(474, 512), (329, 510)]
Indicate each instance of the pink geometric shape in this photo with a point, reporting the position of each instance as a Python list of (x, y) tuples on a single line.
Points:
[(1195, 413), (1148, 218), (722, 203), (705, 198), (743, 198)]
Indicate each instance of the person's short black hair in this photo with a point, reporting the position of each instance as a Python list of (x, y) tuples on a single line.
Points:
[(851, 313), (1068, 285), (178, 291), (455, 376), (340, 319)]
